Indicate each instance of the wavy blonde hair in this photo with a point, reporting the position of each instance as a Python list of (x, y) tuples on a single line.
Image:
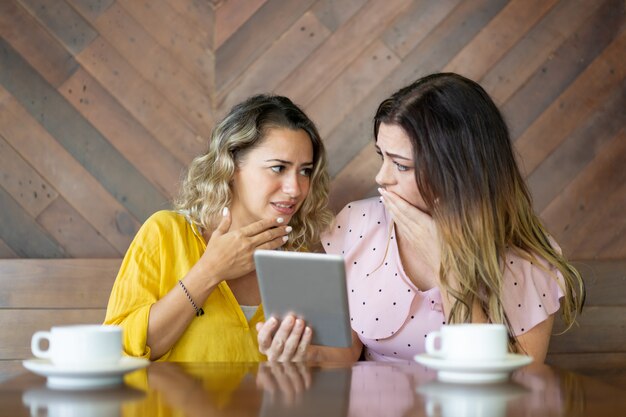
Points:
[(470, 182), (206, 189)]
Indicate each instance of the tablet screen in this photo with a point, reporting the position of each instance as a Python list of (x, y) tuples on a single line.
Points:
[(311, 286)]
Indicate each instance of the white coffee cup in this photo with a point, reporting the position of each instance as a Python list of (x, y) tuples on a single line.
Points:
[(469, 342), (80, 345)]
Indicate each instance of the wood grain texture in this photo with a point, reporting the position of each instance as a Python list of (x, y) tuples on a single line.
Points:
[(263, 75), (579, 207), (20, 29), (354, 84), (145, 102), (57, 283), (231, 15), (157, 66), (600, 329), (22, 181), (605, 227), (344, 45), (507, 75), (130, 90), (63, 22), (497, 37), (613, 247), (91, 9), (605, 281), (21, 324), (198, 14), (560, 167), (188, 46), (410, 28), (123, 131), (6, 252), (31, 241), (77, 136), (36, 294), (254, 37), (80, 239), (333, 14), (73, 182), (578, 101), (570, 59)]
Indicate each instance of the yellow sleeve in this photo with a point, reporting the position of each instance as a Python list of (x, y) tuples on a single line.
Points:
[(135, 289)]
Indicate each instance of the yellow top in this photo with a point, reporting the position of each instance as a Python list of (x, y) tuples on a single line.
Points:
[(164, 250)]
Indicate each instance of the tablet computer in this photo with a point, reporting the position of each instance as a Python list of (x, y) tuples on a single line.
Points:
[(311, 286)]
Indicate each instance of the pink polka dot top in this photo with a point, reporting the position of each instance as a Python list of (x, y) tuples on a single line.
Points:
[(389, 313)]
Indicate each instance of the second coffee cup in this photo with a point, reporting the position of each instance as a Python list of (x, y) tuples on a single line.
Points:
[(80, 345), (469, 342)]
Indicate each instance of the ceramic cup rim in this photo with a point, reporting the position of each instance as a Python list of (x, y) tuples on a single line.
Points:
[(104, 328), (474, 326)]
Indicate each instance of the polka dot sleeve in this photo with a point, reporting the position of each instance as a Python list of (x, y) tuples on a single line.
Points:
[(531, 292)]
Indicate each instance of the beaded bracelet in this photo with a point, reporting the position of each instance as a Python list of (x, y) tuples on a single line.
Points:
[(199, 311)]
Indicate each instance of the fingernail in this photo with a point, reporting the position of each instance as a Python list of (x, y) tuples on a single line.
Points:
[(288, 229), (380, 190), (280, 220), (272, 320), (308, 330), (285, 238), (225, 211)]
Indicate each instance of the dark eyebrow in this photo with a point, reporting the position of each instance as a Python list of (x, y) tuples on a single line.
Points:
[(287, 162), (393, 155)]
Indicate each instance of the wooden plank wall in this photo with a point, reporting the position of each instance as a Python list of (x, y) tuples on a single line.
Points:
[(595, 344), (104, 102), (36, 294)]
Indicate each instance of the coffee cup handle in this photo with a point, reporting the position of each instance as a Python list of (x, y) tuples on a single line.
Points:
[(431, 338), (34, 344)]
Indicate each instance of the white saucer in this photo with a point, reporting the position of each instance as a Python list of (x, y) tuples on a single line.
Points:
[(474, 372), (87, 377)]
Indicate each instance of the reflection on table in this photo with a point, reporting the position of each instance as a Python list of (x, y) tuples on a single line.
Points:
[(43, 401), (362, 389)]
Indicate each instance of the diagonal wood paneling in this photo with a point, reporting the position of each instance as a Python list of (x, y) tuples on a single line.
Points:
[(104, 102)]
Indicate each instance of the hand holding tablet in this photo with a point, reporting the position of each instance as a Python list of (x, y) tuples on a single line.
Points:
[(310, 286)]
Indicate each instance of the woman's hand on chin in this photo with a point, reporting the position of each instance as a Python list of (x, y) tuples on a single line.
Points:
[(228, 254)]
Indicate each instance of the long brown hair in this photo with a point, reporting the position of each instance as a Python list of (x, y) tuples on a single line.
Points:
[(468, 177)]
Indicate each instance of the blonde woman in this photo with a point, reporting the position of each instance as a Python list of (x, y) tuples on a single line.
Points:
[(187, 289), (454, 238)]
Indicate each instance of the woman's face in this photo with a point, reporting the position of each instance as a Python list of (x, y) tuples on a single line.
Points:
[(397, 173), (273, 179)]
